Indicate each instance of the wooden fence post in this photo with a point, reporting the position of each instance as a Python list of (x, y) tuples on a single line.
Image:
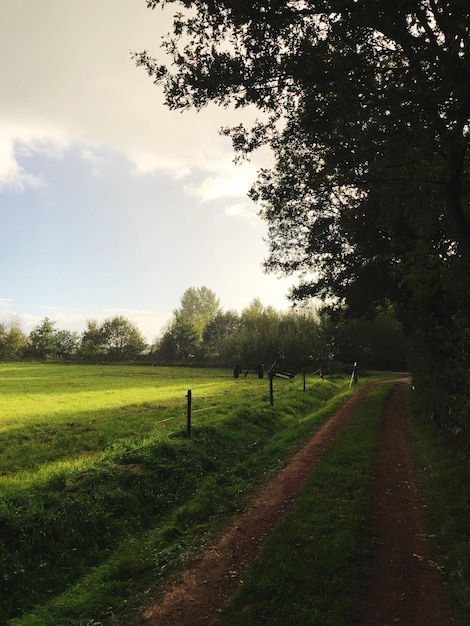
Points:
[(188, 414), (353, 375)]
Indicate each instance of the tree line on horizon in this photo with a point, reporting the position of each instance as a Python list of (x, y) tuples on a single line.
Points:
[(201, 333)]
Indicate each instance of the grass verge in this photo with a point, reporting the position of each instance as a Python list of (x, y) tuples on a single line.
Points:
[(445, 477), (311, 567), (76, 547)]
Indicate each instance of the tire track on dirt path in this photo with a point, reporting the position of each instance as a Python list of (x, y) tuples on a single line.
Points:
[(206, 584), (405, 586)]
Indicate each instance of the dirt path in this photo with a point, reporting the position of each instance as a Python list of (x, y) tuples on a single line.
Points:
[(406, 588), (403, 578)]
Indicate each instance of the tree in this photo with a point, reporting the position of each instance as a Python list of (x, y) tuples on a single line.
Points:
[(164, 348), (258, 339), (198, 306), (122, 339), (116, 339), (43, 339), (179, 343), (369, 93), (183, 338), (13, 342), (375, 341), (92, 344), (67, 342), (301, 338), (220, 338), (366, 106)]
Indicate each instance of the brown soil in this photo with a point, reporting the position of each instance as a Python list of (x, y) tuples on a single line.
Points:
[(405, 588)]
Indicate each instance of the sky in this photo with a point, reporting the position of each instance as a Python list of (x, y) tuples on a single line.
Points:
[(111, 204)]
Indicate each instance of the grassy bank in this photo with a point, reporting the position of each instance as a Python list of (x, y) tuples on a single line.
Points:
[(311, 568), (444, 473), (102, 493)]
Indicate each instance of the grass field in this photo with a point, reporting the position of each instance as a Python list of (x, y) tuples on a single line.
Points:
[(101, 489), (56, 416), (103, 494)]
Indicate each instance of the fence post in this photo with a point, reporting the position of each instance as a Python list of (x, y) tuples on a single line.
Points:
[(188, 414), (271, 393), (353, 375)]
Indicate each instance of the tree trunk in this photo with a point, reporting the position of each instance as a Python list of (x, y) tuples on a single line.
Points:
[(453, 201)]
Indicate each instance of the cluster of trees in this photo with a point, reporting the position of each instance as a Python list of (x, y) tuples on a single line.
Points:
[(115, 340), (201, 333), (366, 108)]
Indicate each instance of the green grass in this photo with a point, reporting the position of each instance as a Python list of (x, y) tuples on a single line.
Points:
[(444, 472), (102, 493), (311, 568), (56, 416)]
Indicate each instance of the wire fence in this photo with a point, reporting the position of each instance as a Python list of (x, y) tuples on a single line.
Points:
[(47, 435)]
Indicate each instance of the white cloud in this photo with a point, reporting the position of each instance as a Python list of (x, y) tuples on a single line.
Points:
[(96, 161), (71, 76), (72, 81), (147, 163), (20, 141), (228, 184), (70, 87), (244, 210), (12, 175)]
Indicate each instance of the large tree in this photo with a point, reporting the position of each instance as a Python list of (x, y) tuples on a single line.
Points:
[(362, 100), (13, 342), (366, 106), (220, 338), (43, 339), (116, 339), (198, 306), (92, 345), (183, 337), (122, 339)]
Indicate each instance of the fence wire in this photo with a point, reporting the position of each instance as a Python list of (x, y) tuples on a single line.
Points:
[(31, 438)]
